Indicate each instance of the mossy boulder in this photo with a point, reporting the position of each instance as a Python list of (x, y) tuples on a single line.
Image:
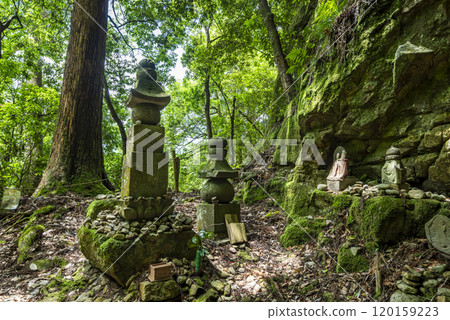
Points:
[(159, 291), (381, 219), (122, 259), (348, 262), (419, 212), (302, 230), (26, 241), (99, 205)]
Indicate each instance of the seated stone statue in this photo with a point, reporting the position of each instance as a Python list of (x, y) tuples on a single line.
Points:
[(392, 171), (339, 170)]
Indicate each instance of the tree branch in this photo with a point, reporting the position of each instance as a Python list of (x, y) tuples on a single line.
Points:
[(114, 115), (251, 122)]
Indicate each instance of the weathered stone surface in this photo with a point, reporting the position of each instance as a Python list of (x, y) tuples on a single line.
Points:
[(211, 217), (416, 194), (347, 262), (438, 233), (409, 59), (159, 291), (145, 181), (443, 292), (432, 283), (399, 296), (218, 285), (220, 189), (103, 251), (406, 288), (142, 137), (322, 187)]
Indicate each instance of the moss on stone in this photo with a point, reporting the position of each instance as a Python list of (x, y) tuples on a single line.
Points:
[(421, 211), (382, 219), (26, 240), (342, 202), (252, 193), (347, 262), (123, 259), (99, 205), (44, 210), (301, 231)]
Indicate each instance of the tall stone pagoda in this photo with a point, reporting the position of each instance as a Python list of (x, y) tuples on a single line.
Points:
[(145, 169)]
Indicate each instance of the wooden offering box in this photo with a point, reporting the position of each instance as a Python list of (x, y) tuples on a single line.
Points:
[(160, 271)]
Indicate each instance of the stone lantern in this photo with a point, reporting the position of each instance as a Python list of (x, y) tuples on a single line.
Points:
[(217, 192)]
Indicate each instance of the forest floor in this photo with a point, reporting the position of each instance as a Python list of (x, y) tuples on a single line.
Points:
[(260, 270)]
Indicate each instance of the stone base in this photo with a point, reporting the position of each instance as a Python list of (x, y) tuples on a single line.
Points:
[(122, 259), (145, 208), (337, 185), (211, 217)]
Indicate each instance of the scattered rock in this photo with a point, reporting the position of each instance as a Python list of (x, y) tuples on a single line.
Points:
[(159, 290), (399, 296), (416, 194), (218, 285), (405, 288)]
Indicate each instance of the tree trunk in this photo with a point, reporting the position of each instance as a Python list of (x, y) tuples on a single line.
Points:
[(116, 118), (76, 158), (34, 148), (208, 93), (176, 171), (280, 60)]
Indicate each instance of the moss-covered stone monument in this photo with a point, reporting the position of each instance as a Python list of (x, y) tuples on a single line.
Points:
[(124, 236)]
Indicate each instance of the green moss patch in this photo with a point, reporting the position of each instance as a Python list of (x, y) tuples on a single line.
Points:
[(301, 231), (26, 241), (347, 262), (99, 205)]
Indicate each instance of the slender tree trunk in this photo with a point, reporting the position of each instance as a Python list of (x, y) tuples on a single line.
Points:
[(176, 171), (76, 158), (280, 60), (208, 94), (34, 149), (116, 118), (232, 117)]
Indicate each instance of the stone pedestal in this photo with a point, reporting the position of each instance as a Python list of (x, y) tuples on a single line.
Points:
[(122, 259), (211, 217), (338, 185)]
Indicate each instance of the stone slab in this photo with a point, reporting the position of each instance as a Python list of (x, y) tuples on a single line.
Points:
[(211, 217), (237, 233), (145, 136), (136, 183), (122, 259), (437, 231), (337, 185)]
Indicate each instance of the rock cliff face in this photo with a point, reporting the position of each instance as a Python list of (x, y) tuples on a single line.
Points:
[(392, 89)]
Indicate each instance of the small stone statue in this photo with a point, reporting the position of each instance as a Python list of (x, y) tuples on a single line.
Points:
[(338, 179), (393, 170), (339, 170)]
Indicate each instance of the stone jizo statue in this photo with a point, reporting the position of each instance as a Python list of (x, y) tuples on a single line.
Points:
[(339, 170), (393, 170)]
